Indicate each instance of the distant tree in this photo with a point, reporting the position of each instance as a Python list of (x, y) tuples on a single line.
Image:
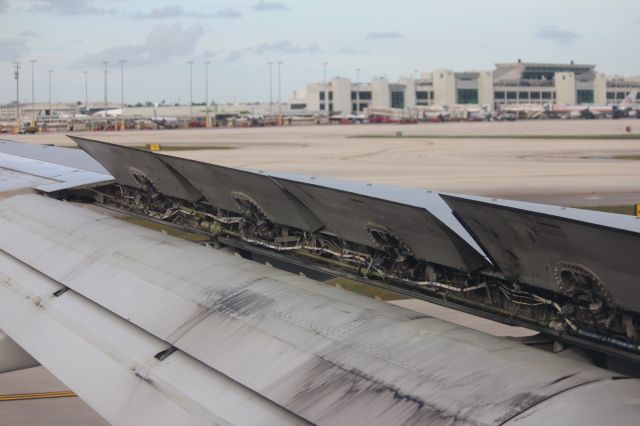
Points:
[(148, 104)]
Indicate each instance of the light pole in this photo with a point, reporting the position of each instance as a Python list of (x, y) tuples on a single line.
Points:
[(190, 91), (16, 75), (357, 91), (279, 94), (324, 86), (270, 88), (86, 96), (122, 61), (33, 94), (50, 104), (105, 90), (206, 92)]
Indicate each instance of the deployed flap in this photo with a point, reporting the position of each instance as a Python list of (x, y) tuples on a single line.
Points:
[(549, 246), (419, 218), (221, 187), (136, 168)]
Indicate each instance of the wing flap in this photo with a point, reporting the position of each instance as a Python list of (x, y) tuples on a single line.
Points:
[(544, 245), (326, 355)]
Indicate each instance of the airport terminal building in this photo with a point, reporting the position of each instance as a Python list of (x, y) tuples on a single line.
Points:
[(509, 83)]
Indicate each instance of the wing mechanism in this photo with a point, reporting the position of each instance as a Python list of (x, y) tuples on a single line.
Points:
[(537, 266)]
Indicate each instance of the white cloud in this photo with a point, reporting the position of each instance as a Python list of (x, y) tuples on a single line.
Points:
[(12, 48), (228, 13), (351, 50), (162, 43), (71, 7), (384, 35), (282, 47), (560, 36), (176, 11), (266, 6)]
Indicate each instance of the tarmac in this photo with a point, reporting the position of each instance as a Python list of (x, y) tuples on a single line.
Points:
[(558, 168), (573, 162)]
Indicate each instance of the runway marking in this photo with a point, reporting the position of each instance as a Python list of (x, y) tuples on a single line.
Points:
[(40, 395)]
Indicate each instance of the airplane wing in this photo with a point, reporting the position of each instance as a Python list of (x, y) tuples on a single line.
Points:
[(46, 168), (152, 329)]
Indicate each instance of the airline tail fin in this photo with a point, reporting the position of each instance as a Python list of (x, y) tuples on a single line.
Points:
[(629, 99)]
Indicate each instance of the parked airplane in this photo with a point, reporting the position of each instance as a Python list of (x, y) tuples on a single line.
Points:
[(166, 122), (595, 111)]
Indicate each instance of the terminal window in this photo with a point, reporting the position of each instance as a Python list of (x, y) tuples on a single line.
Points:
[(498, 95), (523, 95), (397, 99), (322, 96), (535, 95), (422, 95), (467, 96), (584, 96), (546, 95), (620, 95), (611, 95), (511, 95), (364, 95)]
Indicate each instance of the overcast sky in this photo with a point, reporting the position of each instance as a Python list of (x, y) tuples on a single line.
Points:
[(239, 37)]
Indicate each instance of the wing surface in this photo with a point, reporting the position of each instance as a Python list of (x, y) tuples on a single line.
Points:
[(99, 301), (47, 168)]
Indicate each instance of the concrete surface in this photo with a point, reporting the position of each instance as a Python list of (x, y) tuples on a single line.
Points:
[(69, 411), (560, 171)]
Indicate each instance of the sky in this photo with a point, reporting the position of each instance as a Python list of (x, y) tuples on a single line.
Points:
[(239, 37)]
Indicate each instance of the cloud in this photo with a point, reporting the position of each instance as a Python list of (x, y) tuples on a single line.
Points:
[(562, 37), (71, 7), (267, 6), (29, 34), (384, 35), (282, 47), (4, 5), (210, 54), (176, 11), (12, 48), (350, 50), (227, 13), (162, 43), (170, 11)]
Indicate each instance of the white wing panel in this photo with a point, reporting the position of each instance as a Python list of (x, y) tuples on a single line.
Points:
[(110, 363), (325, 354)]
